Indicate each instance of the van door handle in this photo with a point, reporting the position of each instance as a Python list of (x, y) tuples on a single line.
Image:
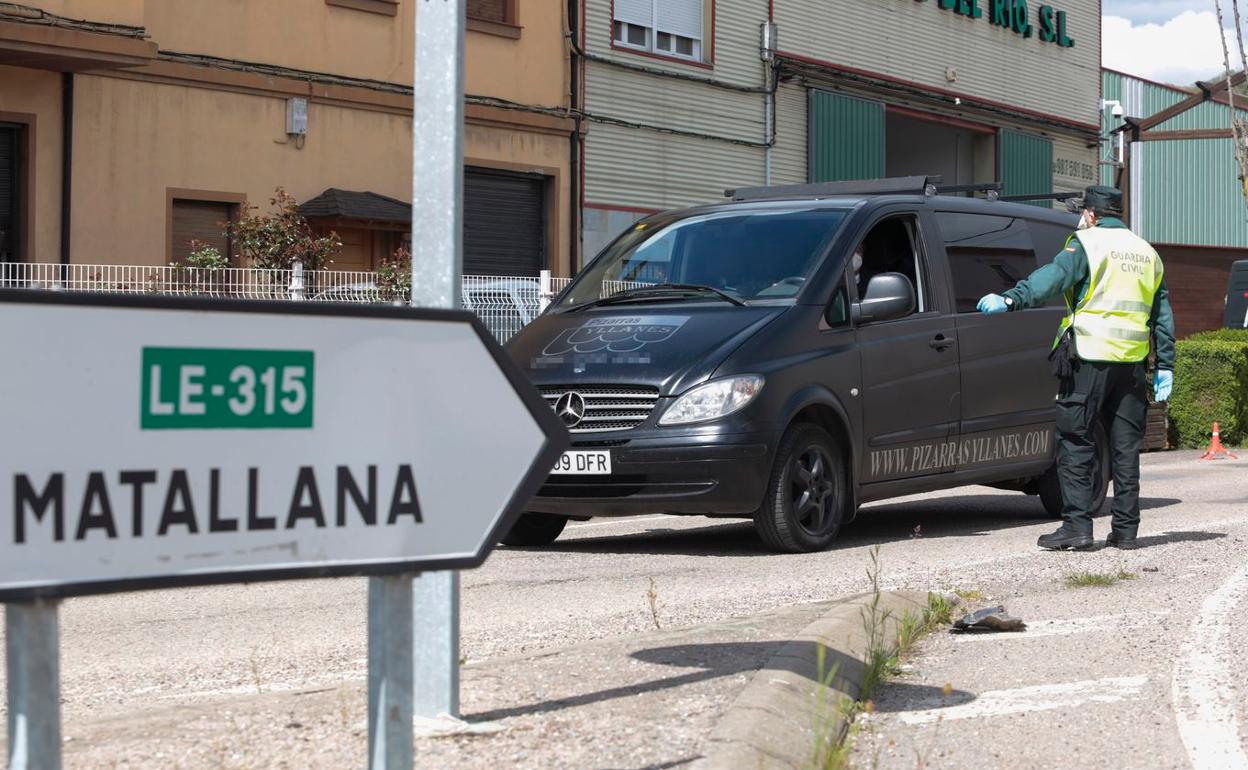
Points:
[(941, 342)]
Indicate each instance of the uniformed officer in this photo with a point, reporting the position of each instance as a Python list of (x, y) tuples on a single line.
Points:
[(1116, 302)]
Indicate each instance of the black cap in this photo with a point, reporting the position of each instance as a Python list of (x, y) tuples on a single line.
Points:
[(1101, 200)]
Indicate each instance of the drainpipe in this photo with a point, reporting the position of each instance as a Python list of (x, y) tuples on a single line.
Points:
[(67, 159), (574, 145), (767, 53)]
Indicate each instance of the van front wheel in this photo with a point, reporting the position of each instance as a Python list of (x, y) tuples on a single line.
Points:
[(805, 503), (535, 529)]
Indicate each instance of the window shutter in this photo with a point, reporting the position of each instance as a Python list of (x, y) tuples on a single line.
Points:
[(680, 17), (639, 12)]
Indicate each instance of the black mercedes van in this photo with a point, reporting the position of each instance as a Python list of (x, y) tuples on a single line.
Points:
[(794, 352)]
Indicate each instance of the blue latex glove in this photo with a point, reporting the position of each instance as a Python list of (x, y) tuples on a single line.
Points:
[(1163, 383), (992, 304)]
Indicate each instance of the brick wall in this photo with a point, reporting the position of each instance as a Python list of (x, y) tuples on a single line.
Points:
[(1196, 277)]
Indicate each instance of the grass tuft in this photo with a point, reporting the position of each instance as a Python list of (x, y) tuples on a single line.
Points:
[(1097, 579), (969, 595)]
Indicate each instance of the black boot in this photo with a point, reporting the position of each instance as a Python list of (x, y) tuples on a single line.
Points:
[(1122, 541), (1065, 540)]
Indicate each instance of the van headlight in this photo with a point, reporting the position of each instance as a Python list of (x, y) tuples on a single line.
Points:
[(713, 400)]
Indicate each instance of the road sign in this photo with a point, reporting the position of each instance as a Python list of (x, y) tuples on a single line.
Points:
[(164, 441)]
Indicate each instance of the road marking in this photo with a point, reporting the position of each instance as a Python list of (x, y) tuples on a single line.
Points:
[(1066, 627), (1204, 701), (1022, 700)]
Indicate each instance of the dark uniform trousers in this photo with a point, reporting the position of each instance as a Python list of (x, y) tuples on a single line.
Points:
[(1118, 394)]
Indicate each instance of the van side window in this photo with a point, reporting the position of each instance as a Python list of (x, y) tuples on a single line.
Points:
[(838, 309), (987, 254), (889, 247)]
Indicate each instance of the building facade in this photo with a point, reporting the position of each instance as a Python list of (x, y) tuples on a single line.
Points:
[(1185, 196), (686, 98), (128, 127)]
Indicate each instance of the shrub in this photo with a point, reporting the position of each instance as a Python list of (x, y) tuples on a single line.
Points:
[(277, 241), (1221, 335), (1210, 385), (394, 276), (206, 256)]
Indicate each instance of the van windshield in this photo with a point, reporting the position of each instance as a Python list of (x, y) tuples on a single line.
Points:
[(747, 255)]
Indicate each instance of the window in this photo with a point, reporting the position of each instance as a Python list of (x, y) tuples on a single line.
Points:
[(667, 27), (496, 11), (890, 247), (987, 254), (756, 256), (202, 221), (383, 7)]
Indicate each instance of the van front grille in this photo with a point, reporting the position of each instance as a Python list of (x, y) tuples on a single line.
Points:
[(606, 407)]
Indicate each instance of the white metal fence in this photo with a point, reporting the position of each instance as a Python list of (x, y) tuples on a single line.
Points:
[(504, 303)]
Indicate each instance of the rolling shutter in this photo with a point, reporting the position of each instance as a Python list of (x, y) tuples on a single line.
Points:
[(639, 12), (846, 138), (9, 246), (199, 221), (489, 10), (1027, 165), (504, 223), (680, 17)]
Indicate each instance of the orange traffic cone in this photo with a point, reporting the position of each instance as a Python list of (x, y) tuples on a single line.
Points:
[(1216, 450)]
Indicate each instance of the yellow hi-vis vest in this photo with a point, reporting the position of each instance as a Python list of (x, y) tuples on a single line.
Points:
[(1111, 318)]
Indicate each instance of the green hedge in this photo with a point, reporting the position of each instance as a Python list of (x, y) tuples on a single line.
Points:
[(1221, 335), (1210, 384)]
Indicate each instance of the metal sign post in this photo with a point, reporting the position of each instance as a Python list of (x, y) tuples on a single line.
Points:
[(32, 651), (437, 270), (416, 673)]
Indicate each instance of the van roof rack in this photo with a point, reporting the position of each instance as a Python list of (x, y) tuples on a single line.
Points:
[(897, 185)]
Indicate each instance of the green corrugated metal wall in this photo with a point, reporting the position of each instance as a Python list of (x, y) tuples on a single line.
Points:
[(1026, 165), (1191, 193), (846, 138)]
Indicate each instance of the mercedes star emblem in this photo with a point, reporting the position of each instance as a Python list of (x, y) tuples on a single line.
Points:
[(571, 409)]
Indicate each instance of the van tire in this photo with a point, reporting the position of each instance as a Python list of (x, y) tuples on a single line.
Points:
[(535, 529), (807, 461), (1050, 486)]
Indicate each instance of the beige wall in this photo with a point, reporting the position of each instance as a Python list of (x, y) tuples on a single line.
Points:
[(38, 93), (532, 69), (143, 132), (302, 34), (128, 12), (135, 140)]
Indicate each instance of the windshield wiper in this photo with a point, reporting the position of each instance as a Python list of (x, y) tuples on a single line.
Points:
[(659, 290)]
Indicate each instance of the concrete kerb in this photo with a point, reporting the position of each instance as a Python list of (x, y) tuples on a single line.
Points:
[(773, 722)]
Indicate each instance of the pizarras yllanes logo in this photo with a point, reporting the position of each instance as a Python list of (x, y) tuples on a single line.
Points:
[(616, 334), (975, 450)]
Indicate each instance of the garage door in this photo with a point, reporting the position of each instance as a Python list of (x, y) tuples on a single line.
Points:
[(846, 138), (504, 223)]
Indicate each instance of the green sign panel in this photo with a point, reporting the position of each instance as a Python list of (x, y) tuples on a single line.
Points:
[(197, 388), (1014, 15)]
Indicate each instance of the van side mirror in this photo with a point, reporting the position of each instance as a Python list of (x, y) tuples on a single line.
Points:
[(889, 296)]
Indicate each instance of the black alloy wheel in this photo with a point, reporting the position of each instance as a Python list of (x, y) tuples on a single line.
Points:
[(807, 493), (535, 529)]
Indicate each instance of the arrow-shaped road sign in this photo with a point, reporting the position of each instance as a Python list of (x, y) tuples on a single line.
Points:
[(169, 441)]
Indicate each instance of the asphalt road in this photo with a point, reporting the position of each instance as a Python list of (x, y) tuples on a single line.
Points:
[(128, 657)]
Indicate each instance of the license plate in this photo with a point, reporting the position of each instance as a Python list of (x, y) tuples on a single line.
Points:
[(584, 463)]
